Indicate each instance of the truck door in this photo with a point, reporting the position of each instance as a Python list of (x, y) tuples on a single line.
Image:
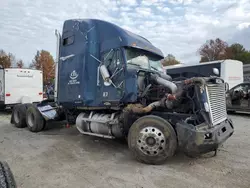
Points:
[(114, 62), (245, 98)]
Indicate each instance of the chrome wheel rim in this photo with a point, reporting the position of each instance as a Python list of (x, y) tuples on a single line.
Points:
[(151, 141)]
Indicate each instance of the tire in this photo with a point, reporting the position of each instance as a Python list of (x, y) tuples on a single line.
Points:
[(34, 119), (152, 140), (7, 179), (18, 116)]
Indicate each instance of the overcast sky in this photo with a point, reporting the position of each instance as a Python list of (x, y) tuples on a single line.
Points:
[(179, 27)]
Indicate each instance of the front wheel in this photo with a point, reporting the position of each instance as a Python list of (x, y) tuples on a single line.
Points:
[(152, 140)]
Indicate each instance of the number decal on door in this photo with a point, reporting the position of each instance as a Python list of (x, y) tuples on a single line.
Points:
[(105, 94)]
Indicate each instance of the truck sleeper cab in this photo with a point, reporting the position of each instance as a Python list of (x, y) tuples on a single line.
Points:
[(109, 84)]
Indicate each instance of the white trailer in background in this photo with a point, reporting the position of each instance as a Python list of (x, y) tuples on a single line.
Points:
[(19, 86), (231, 71)]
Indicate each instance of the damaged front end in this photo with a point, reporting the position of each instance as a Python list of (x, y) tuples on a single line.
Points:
[(200, 139), (196, 108), (214, 127)]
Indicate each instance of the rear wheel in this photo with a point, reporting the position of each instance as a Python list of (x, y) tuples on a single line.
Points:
[(152, 140), (18, 116), (34, 119), (6, 176)]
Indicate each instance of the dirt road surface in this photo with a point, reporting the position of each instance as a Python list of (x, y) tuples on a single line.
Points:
[(61, 157)]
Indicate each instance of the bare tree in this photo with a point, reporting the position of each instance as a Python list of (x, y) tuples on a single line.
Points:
[(213, 50)]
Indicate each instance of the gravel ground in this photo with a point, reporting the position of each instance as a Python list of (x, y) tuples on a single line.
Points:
[(61, 157)]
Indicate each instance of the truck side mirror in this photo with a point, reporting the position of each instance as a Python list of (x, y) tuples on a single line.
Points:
[(216, 71), (105, 75)]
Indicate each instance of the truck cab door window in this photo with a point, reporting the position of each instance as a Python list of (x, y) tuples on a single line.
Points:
[(239, 96), (245, 96), (108, 59), (113, 62)]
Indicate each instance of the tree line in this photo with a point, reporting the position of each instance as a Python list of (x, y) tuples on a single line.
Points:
[(216, 49), (43, 61)]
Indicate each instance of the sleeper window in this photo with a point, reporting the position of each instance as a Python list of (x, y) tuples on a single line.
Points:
[(68, 40)]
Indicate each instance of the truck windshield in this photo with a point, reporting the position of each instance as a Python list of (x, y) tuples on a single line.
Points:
[(143, 59)]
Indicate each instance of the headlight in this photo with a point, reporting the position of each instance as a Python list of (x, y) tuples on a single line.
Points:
[(206, 107)]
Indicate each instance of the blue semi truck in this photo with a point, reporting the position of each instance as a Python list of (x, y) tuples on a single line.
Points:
[(109, 84)]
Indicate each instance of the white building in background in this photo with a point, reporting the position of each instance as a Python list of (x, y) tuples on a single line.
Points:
[(229, 70)]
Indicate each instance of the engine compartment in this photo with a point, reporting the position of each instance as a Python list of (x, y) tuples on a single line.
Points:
[(185, 100)]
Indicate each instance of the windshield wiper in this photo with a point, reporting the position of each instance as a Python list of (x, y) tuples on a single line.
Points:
[(134, 64), (155, 68)]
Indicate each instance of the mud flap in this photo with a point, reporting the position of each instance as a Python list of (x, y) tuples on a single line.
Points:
[(48, 112)]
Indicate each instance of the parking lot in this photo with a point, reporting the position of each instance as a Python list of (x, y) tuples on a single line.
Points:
[(61, 157)]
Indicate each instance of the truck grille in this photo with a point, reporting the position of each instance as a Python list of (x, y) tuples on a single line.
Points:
[(217, 102)]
